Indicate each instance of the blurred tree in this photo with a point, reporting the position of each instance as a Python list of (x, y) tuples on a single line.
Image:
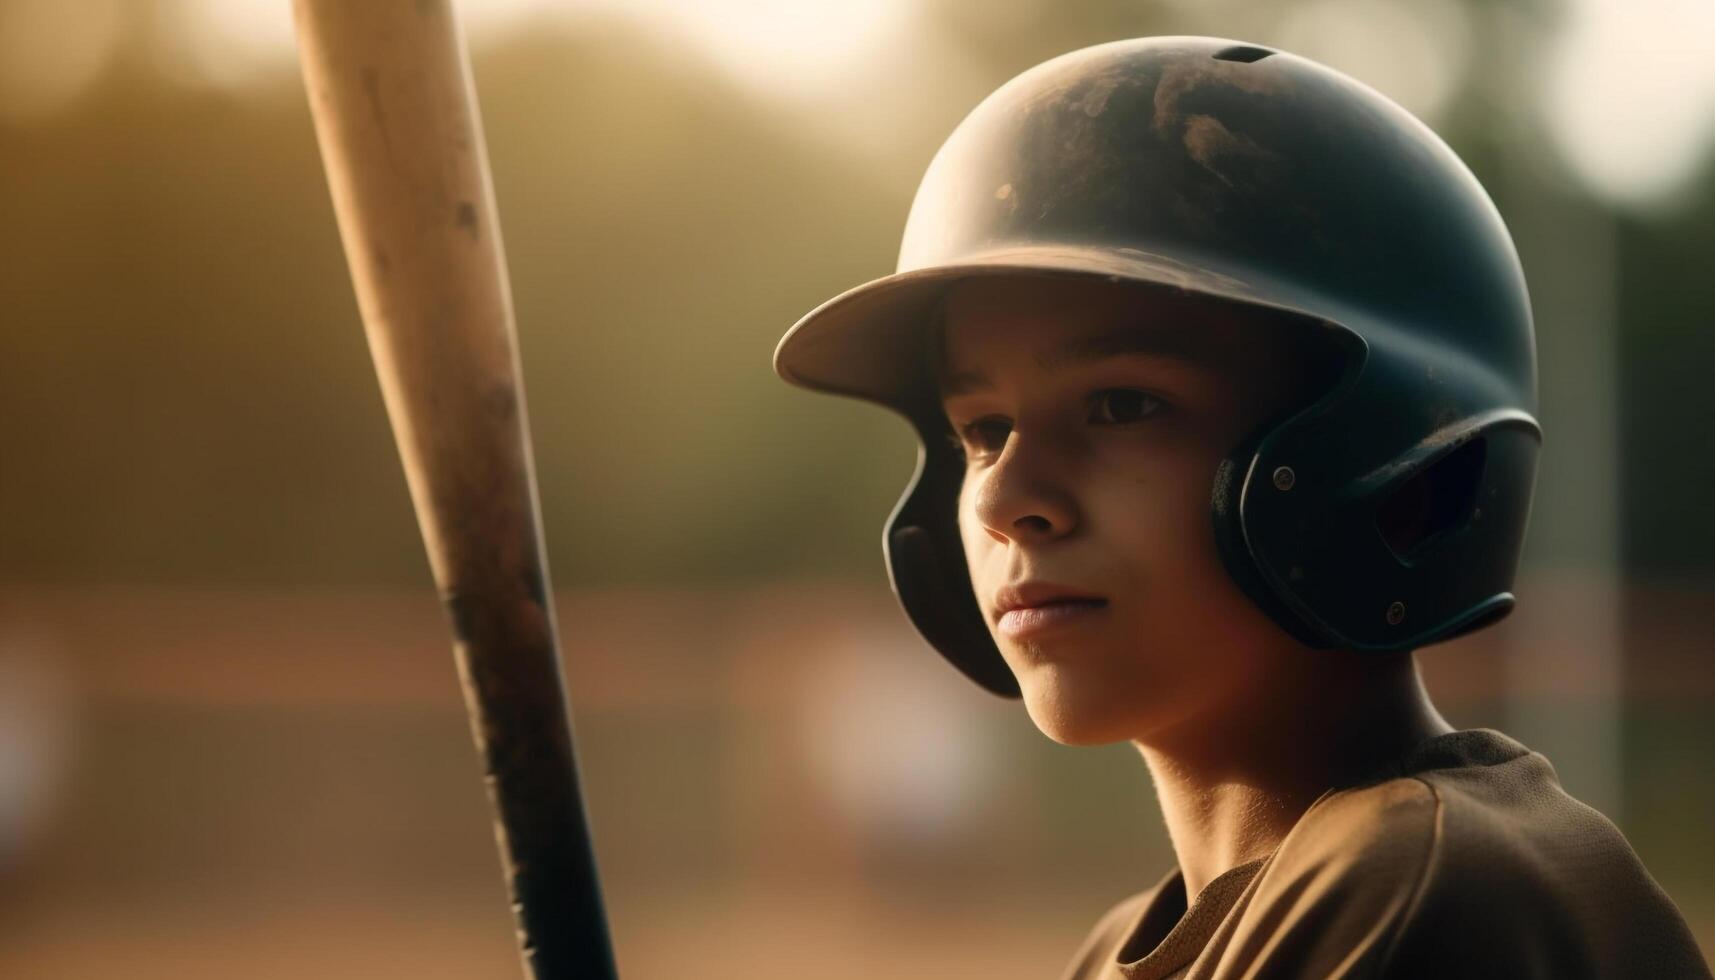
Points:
[(185, 395)]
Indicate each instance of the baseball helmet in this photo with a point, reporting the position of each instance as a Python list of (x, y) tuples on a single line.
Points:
[(1388, 511)]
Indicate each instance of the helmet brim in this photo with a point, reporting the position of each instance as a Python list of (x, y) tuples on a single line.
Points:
[(868, 342)]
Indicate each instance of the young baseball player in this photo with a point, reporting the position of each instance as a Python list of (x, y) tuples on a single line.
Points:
[(1224, 373)]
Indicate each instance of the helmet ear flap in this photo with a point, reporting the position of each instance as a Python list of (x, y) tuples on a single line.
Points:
[(926, 564), (1232, 476)]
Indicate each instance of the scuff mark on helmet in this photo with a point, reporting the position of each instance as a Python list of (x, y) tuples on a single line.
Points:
[(1180, 78), (1208, 141), (1095, 99)]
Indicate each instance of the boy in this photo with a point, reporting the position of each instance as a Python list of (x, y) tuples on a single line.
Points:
[(1224, 373)]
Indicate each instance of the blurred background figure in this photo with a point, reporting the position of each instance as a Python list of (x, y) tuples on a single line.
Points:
[(231, 737)]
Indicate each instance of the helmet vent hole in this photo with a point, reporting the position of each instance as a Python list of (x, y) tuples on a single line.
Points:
[(1434, 503), (1242, 52)]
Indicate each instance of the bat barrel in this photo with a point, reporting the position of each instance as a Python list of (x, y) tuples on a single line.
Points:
[(395, 114)]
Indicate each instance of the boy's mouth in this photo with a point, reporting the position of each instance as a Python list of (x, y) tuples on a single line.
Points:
[(1036, 595), (1022, 621)]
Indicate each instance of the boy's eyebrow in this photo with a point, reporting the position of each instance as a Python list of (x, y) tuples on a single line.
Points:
[(1168, 343)]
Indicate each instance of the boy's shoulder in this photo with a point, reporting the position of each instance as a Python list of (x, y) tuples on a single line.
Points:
[(1467, 858), (1466, 807)]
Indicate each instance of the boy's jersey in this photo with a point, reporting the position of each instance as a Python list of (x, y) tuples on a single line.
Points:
[(1464, 859)]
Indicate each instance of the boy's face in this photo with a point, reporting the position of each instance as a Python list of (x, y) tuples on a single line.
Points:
[(1093, 416)]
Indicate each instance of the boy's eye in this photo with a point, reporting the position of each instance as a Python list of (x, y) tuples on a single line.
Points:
[(1108, 406), (1117, 406), (986, 434)]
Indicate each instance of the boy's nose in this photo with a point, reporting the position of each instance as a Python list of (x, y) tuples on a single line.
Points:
[(1023, 495)]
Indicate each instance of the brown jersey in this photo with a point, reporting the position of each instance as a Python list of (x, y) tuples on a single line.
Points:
[(1463, 859)]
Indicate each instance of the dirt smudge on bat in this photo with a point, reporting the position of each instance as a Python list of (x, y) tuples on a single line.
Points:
[(465, 216), (501, 402), (371, 81)]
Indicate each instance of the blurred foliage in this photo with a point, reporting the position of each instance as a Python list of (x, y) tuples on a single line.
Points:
[(185, 394), (1667, 405)]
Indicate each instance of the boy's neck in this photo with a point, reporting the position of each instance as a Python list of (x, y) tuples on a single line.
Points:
[(1232, 783)]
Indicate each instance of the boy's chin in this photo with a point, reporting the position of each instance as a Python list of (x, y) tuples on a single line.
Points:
[(1073, 717)]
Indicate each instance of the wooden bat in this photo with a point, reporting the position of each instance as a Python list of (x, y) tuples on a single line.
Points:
[(395, 114)]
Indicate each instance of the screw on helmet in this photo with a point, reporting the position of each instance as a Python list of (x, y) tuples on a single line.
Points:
[(1235, 174)]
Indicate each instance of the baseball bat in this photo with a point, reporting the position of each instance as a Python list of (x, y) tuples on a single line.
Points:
[(395, 114)]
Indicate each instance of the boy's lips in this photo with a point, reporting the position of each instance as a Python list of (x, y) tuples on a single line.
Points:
[(1028, 608)]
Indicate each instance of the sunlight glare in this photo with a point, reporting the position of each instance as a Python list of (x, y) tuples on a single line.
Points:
[(51, 51), (1415, 53), (781, 48), (1630, 95)]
